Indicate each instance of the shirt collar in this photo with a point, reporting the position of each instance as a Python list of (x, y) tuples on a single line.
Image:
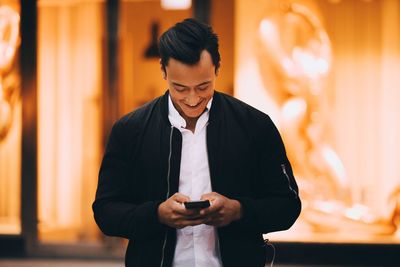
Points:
[(179, 122)]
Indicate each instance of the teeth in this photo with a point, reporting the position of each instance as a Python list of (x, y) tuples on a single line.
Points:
[(191, 104)]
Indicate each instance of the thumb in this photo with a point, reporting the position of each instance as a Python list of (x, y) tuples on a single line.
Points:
[(179, 197), (209, 196)]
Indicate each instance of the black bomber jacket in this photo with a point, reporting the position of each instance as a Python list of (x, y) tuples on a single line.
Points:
[(141, 167)]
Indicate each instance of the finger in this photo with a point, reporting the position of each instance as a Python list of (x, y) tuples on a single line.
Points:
[(215, 207), (179, 221), (209, 196), (179, 208), (179, 197), (193, 214), (212, 197), (186, 212), (207, 211)]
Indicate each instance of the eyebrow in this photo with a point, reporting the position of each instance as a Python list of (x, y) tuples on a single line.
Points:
[(200, 84)]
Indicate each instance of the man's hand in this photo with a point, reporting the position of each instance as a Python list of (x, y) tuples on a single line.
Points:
[(172, 213), (222, 210)]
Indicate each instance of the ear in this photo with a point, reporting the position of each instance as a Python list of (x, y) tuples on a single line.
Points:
[(163, 71)]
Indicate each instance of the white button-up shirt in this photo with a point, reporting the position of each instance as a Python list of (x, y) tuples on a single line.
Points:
[(196, 246)]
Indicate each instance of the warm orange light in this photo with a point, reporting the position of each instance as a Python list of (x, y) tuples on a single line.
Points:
[(176, 4), (336, 119), (69, 87), (9, 35), (10, 121)]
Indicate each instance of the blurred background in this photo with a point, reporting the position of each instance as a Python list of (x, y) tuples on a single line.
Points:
[(326, 71)]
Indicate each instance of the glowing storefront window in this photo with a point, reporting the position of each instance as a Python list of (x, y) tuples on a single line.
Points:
[(69, 99), (326, 76)]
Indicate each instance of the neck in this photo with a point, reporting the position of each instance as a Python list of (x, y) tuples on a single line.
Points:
[(191, 123)]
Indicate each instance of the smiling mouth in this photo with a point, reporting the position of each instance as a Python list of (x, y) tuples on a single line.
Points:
[(195, 106)]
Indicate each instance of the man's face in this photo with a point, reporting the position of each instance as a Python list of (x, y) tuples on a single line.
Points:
[(191, 86)]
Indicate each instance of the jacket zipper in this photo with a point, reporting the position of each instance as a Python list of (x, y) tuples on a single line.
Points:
[(212, 189), (287, 177), (167, 196)]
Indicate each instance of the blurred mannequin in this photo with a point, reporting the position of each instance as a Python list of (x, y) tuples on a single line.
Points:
[(9, 37), (294, 57)]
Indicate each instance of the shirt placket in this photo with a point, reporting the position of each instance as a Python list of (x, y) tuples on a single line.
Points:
[(188, 231)]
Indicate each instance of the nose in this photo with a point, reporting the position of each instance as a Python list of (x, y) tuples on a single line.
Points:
[(192, 99)]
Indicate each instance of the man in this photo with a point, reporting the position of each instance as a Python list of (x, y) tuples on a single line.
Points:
[(194, 143)]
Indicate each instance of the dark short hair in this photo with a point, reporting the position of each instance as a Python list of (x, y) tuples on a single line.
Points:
[(186, 40)]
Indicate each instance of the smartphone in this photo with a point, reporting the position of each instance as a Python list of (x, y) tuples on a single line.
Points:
[(201, 204)]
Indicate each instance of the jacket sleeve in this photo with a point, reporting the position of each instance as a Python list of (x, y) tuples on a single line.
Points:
[(276, 204), (115, 210)]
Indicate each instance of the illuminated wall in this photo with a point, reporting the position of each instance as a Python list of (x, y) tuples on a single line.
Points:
[(359, 109), (70, 39)]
